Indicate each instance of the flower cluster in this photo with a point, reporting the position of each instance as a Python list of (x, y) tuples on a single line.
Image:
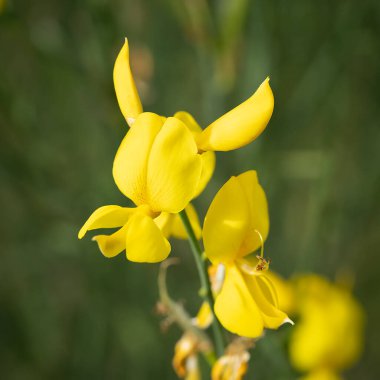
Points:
[(161, 165)]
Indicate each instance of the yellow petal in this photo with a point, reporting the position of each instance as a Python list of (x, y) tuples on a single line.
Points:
[(208, 167), (112, 245), (145, 241), (130, 164), (177, 228), (192, 368), (235, 307), (226, 223), (189, 121), (208, 158), (263, 293), (184, 349), (258, 209), (106, 217), (231, 366), (285, 292), (174, 168), (126, 92), (204, 316), (241, 125), (165, 222)]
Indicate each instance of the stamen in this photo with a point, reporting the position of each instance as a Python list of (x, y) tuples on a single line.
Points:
[(261, 266), (263, 263)]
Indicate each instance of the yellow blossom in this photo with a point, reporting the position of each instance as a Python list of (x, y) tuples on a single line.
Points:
[(161, 178), (204, 316), (185, 361), (236, 225), (163, 163), (130, 106), (329, 332), (233, 130), (322, 374), (231, 366)]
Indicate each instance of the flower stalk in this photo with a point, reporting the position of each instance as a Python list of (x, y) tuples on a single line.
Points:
[(176, 313), (206, 292)]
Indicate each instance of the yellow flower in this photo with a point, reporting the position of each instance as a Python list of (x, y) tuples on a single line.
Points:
[(322, 374), (163, 163), (236, 224), (158, 167), (232, 366), (130, 106), (329, 333), (204, 316), (185, 361), (233, 130)]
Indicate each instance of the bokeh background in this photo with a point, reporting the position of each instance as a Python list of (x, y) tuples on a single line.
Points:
[(66, 312)]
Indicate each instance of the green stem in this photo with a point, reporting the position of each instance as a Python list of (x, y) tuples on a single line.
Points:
[(206, 291)]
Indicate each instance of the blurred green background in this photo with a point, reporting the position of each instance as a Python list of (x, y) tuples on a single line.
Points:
[(66, 312)]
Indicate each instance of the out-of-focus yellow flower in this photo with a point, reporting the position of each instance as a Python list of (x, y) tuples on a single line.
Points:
[(236, 224), (322, 374), (204, 316), (329, 334), (185, 361), (231, 366), (158, 167)]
